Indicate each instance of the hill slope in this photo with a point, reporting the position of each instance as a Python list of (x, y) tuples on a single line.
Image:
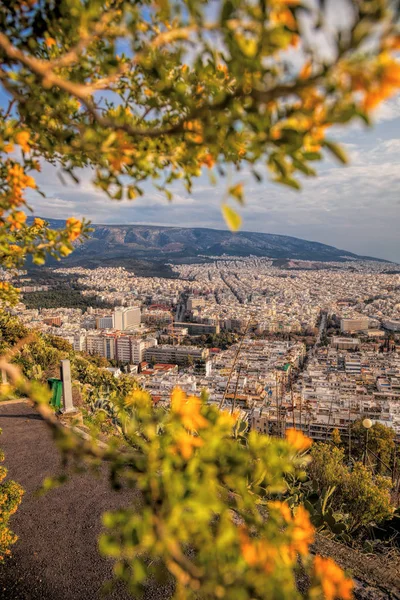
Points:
[(108, 242)]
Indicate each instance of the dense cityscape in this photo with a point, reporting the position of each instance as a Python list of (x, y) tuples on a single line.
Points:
[(305, 344)]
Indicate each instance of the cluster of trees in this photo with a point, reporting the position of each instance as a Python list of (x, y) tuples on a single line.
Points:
[(221, 340), (380, 451), (65, 297), (307, 336), (332, 326), (352, 493)]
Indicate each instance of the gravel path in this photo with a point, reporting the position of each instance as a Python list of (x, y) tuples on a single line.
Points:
[(56, 555)]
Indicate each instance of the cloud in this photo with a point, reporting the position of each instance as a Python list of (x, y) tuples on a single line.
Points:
[(388, 111), (355, 207)]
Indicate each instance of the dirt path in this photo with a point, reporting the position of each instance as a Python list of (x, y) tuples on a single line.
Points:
[(56, 555)]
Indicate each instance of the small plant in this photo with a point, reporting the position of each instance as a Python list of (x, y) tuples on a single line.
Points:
[(10, 498), (36, 372), (342, 499)]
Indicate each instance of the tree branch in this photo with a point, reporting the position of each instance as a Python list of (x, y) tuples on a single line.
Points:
[(71, 57), (42, 68), (84, 92)]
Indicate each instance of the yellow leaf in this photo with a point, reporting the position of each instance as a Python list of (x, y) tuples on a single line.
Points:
[(132, 193), (22, 139), (237, 192), (232, 218), (306, 71), (246, 44)]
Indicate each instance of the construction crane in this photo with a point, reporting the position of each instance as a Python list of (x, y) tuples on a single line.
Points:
[(171, 330)]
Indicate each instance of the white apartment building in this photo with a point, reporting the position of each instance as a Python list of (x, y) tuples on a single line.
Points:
[(352, 363), (180, 355), (161, 384), (131, 350), (79, 342), (343, 343), (125, 318), (101, 344)]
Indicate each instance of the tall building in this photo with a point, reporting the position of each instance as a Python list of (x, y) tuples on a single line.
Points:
[(356, 324), (79, 342), (125, 318), (124, 349)]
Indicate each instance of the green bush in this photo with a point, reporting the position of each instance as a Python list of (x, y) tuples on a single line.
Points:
[(10, 498), (356, 496)]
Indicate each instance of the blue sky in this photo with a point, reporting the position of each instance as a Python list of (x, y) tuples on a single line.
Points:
[(354, 207)]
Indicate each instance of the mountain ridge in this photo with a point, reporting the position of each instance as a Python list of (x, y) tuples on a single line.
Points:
[(161, 242)]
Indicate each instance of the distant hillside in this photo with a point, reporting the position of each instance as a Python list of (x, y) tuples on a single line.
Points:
[(131, 242)]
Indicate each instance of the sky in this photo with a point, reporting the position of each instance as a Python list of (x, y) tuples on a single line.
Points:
[(354, 207)]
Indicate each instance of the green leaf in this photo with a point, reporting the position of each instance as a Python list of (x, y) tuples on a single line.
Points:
[(232, 218), (364, 117), (337, 151), (346, 115), (312, 155), (289, 181), (118, 194), (303, 167)]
